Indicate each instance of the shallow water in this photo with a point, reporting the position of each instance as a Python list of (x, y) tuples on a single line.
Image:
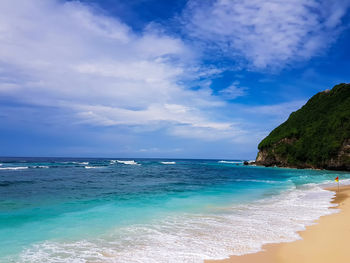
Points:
[(148, 210)]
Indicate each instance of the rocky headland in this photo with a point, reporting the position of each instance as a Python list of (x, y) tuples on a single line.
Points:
[(315, 136)]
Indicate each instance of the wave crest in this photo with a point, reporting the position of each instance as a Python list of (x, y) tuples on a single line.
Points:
[(168, 162), (130, 162), (14, 168)]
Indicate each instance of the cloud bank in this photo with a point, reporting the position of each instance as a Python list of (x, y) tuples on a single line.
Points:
[(67, 55), (66, 63), (266, 34)]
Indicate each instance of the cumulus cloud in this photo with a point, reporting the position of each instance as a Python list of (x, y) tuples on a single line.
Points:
[(67, 55), (267, 34)]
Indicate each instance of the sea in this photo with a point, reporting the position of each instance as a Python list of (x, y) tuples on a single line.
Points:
[(81, 210)]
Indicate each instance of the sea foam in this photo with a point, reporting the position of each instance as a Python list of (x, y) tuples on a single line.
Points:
[(189, 237), (14, 168), (131, 162), (168, 162), (229, 161)]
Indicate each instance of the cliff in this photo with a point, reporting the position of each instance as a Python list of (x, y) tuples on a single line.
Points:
[(315, 136)]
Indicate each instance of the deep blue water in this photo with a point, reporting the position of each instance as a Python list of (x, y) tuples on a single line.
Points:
[(59, 210)]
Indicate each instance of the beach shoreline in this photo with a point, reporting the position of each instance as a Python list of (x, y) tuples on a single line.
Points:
[(325, 241)]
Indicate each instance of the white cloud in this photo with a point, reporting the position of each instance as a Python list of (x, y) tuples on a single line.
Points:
[(95, 70), (171, 113), (65, 55), (233, 91), (269, 33)]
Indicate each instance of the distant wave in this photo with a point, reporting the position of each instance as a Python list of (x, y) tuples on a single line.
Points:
[(40, 166), (113, 161), (14, 168), (168, 162), (83, 163), (131, 162), (229, 162), (257, 181), (70, 163), (93, 167)]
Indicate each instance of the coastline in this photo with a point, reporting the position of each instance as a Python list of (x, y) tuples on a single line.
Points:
[(326, 241)]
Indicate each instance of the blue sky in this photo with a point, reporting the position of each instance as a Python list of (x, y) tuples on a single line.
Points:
[(171, 79)]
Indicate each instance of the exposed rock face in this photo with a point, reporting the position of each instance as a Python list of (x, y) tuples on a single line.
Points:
[(315, 136), (342, 160), (269, 156)]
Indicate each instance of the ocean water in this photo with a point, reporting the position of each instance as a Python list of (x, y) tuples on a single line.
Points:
[(150, 210)]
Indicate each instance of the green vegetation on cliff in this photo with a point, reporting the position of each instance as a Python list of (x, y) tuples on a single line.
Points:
[(314, 134)]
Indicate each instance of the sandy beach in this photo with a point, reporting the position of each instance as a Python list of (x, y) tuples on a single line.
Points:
[(326, 241)]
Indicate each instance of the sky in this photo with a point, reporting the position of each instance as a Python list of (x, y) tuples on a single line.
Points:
[(162, 79)]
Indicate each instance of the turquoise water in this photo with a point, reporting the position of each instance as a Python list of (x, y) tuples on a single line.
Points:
[(148, 210)]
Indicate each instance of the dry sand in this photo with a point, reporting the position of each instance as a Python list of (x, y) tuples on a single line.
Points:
[(328, 241)]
